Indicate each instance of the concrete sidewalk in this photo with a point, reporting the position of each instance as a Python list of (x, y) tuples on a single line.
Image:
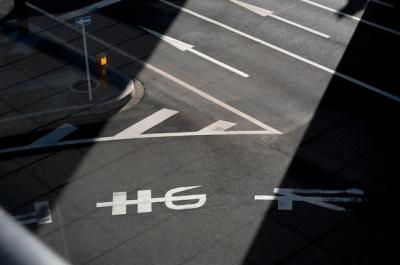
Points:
[(43, 84)]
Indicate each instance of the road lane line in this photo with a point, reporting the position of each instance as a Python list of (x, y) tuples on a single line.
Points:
[(268, 13), (147, 123), (208, 58), (383, 3), (166, 75), (218, 126), (88, 9), (255, 9), (131, 137), (286, 52), (300, 26), (372, 24), (188, 47), (55, 135)]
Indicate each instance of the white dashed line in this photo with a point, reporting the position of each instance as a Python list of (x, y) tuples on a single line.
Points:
[(286, 52), (383, 3), (166, 75), (267, 13), (372, 24)]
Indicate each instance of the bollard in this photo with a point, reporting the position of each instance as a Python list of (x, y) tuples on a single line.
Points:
[(102, 62)]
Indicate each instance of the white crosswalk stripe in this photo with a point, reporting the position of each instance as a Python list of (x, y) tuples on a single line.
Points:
[(147, 123), (218, 126)]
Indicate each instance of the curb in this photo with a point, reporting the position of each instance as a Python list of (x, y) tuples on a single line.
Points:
[(94, 112)]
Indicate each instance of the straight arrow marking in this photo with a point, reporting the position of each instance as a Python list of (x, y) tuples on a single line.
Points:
[(188, 47), (264, 12)]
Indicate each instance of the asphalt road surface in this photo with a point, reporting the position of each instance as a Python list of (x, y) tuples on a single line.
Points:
[(277, 119)]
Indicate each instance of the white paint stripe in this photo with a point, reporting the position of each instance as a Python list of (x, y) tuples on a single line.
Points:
[(264, 12), (188, 47), (372, 24), (300, 26), (208, 58), (180, 45), (131, 137), (318, 191), (119, 197), (255, 9), (285, 202), (383, 3), (291, 54), (147, 123), (218, 126), (165, 75), (88, 9), (56, 135)]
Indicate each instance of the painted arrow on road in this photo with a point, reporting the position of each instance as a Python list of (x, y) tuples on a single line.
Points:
[(190, 48), (264, 13)]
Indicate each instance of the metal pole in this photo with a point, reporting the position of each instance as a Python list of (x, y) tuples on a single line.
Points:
[(87, 62)]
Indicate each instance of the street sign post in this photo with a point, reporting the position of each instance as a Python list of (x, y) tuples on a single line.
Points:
[(81, 22)]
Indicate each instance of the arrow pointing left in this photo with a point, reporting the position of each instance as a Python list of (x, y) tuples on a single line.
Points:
[(188, 47)]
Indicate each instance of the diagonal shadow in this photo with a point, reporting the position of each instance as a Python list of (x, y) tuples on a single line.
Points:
[(17, 191), (351, 142)]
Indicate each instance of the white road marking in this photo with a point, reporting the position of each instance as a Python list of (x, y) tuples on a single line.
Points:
[(383, 3), (190, 48), (288, 196), (88, 9), (55, 135), (41, 215), (166, 75), (264, 12), (145, 201), (255, 9), (131, 137), (218, 126), (147, 123), (372, 24), (291, 54)]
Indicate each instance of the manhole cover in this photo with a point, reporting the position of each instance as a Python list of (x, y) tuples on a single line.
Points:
[(81, 85)]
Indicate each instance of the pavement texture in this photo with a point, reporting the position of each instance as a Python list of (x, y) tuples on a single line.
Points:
[(44, 84), (336, 157)]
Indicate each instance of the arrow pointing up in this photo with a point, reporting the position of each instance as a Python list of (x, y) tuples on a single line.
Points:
[(174, 42), (258, 10)]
